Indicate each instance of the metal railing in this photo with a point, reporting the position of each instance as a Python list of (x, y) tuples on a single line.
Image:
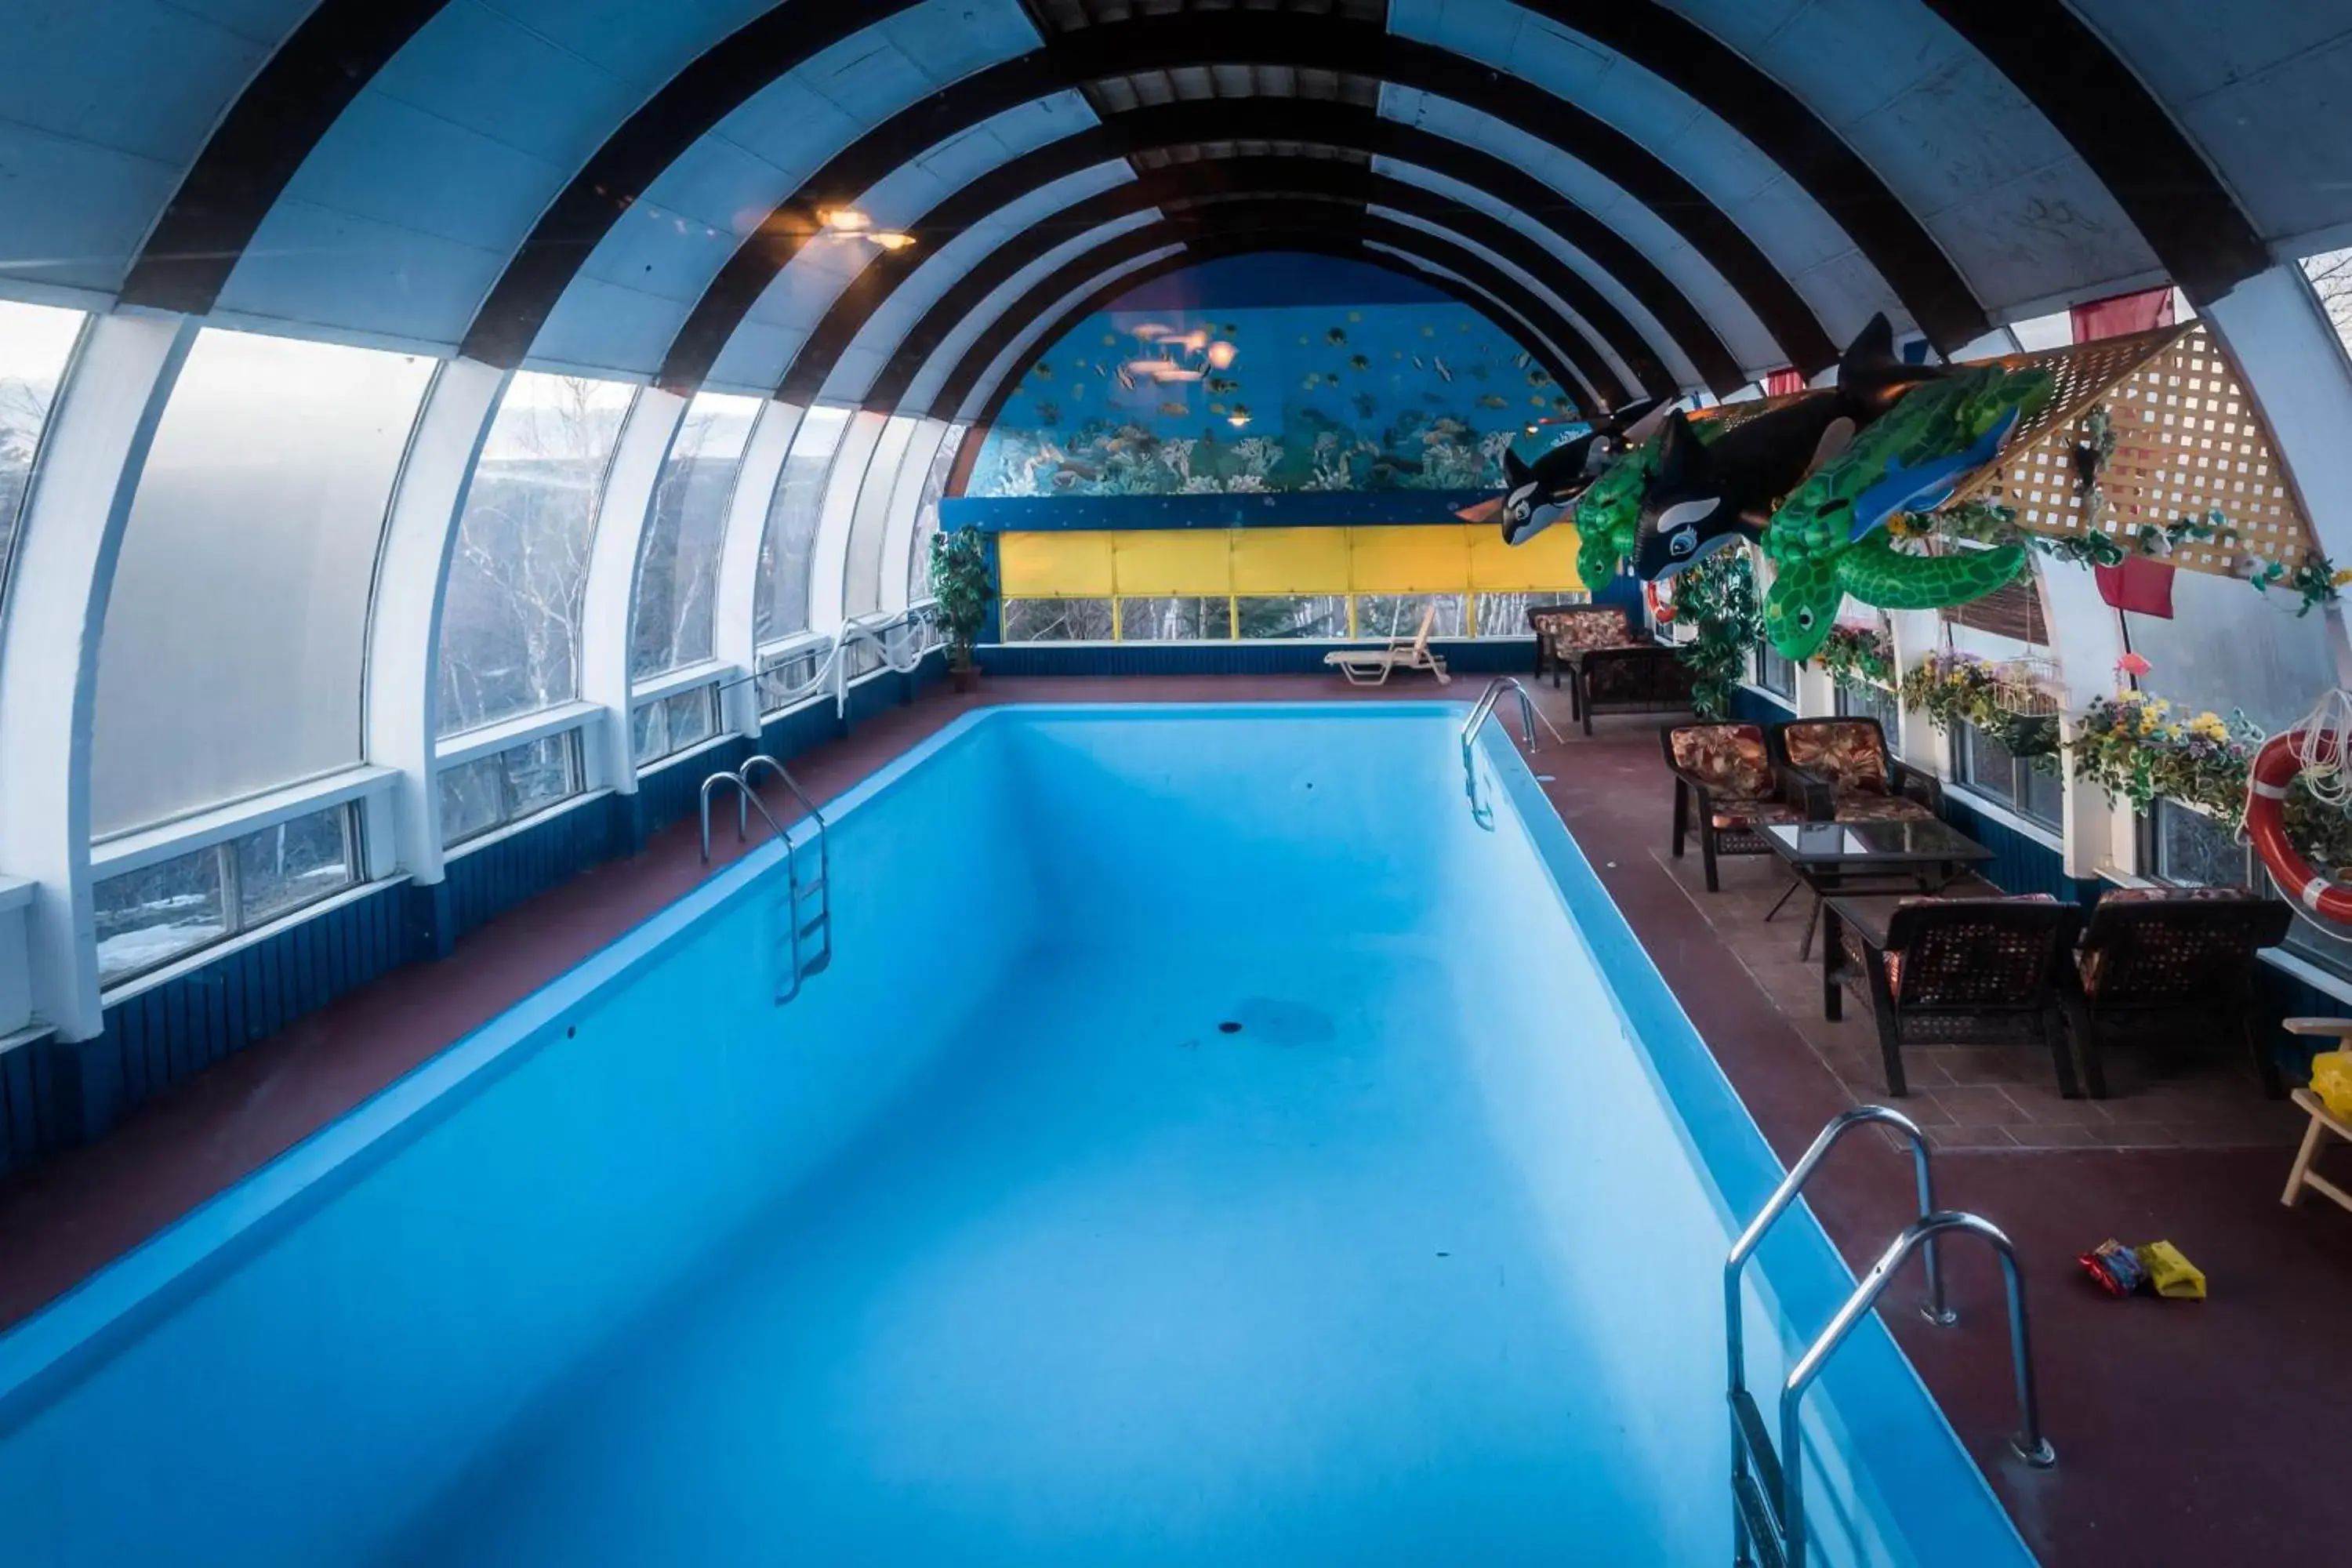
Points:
[(1768, 1477), (746, 799), (1485, 706)]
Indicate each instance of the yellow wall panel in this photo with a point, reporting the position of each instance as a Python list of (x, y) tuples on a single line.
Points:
[(1547, 562), (1055, 565), (1187, 561), (1413, 560), (1290, 560)]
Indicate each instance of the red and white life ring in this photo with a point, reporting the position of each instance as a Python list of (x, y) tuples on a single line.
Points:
[(2274, 770), (1661, 598)]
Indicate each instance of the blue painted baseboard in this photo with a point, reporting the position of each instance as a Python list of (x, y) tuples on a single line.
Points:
[(56, 1095)]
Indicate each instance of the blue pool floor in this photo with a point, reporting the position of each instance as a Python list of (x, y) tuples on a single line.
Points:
[(1110, 1286)]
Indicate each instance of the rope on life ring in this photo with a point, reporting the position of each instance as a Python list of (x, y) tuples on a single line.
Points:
[(2275, 769), (1661, 598)]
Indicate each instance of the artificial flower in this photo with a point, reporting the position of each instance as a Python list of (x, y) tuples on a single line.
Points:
[(2132, 664)]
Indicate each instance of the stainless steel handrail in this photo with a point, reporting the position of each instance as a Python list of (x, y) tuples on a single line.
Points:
[(1485, 706), (743, 793), (1935, 1311), (2029, 1443)]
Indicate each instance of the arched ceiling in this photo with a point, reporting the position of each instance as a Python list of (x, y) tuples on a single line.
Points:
[(1686, 192)]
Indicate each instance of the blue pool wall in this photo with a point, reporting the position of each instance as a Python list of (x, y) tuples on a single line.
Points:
[(430, 1265), (426, 1267), (56, 1095)]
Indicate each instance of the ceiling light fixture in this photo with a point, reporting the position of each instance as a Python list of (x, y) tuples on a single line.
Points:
[(892, 239), (845, 220)]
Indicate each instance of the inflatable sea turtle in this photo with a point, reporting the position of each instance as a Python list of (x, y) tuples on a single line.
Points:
[(1825, 541)]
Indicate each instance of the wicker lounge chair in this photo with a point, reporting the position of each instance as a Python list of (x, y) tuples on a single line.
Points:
[(1728, 789), (2176, 962), (1866, 779), (1956, 970)]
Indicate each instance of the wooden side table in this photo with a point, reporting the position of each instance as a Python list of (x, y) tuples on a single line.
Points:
[(2323, 1121)]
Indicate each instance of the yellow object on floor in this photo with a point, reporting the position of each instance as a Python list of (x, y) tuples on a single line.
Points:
[(2172, 1274), (2331, 1079)]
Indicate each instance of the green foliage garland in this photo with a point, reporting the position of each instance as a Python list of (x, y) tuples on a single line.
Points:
[(960, 582), (1857, 656), (1717, 598), (1959, 688)]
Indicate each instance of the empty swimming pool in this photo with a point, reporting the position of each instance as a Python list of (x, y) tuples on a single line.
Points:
[(1217, 1140)]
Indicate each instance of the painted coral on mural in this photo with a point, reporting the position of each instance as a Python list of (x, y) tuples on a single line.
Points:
[(1420, 396)]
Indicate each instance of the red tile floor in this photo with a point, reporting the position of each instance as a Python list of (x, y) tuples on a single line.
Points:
[(2188, 1433)]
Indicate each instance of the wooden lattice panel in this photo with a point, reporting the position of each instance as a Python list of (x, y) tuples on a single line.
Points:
[(2188, 441)]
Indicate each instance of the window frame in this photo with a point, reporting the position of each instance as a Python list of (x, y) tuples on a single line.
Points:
[(2013, 803), (355, 794), (575, 779)]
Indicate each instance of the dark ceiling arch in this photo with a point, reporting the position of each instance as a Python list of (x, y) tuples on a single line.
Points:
[(1785, 129), (1208, 249), (252, 155), (2198, 231), (536, 275), (747, 275), (1474, 281), (1323, 178)]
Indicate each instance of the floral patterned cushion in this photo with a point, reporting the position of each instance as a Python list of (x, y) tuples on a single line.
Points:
[(1864, 807), (1849, 755), (1573, 631), (1731, 814), (1727, 758)]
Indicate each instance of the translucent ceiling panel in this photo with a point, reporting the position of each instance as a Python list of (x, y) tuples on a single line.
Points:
[(870, 516), (236, 630), (927, 514), (781, 607), (677, 564), (34, 343), (511, 612)]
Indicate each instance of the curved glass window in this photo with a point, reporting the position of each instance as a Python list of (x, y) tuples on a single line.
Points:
[(878, 497), (510, 610), (34, 343), (236, 630), (781, 607), (678, 562), (927, 514)]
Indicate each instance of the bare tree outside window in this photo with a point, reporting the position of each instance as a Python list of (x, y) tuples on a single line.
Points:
[(927, 514), (510, 613), (677, 562), (2330, 272), (781, 599), (35, 342)]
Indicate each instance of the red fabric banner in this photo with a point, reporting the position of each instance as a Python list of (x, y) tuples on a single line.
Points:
[(2124, 314), (2139, 584), (1782, 382)]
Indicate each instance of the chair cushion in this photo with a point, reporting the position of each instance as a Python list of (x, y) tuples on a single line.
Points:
[(1574, 630), (1847, 754), (1726, 758), (1863, 805), (1736, 813)]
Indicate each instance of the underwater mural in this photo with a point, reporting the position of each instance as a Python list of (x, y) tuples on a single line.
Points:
[(1421, 396)]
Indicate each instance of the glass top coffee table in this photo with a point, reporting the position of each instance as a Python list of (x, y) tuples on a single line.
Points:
[(1904, 854)]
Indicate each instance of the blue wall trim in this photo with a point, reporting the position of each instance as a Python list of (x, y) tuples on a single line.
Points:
[(1285, 509), (173, 1030), (2021, 863), (55, 1096), (1019, 659)]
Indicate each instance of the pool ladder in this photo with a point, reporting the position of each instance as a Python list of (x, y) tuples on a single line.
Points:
[(1768, 1478), (1481, 813), (801, 941)]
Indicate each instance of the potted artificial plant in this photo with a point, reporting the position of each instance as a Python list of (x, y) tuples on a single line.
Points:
[(959, 582)]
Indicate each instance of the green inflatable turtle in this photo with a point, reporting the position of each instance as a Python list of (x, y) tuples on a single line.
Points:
[(1609, 516), (1825, 541)]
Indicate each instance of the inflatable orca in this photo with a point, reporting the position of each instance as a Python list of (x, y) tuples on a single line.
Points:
[(1541, 494), (1701, 498)]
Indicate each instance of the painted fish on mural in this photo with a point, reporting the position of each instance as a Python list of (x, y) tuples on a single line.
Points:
[(1336, 335), (1442, 374), (1174, 410), (1357, 361)]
